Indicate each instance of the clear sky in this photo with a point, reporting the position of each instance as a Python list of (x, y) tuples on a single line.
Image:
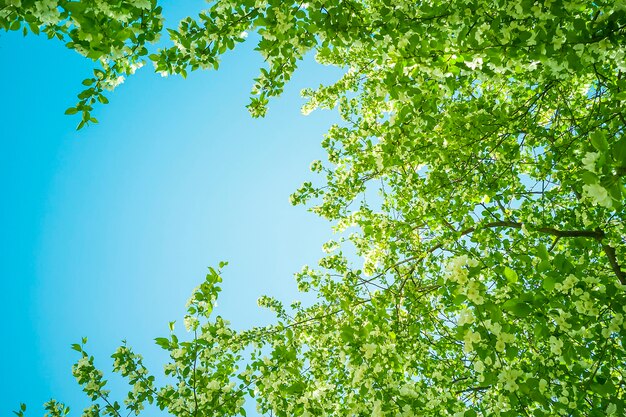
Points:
[(105, 232)]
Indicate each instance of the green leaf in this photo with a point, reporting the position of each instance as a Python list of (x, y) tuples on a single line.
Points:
[(548, 283), (510, 275), (347, 334), (542, 251), (71, 110), (510, 303), (544, 266), (521, 310), (621, 96), (541, 330), (517, 308), (162, 342), (619, 152), (512, 352), (589, 178), (75, 7), (459, 299), (604, 389), (598, 140)]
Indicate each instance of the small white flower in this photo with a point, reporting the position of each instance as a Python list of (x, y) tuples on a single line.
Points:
[(377, 409), (469, 340), (589, 161), (119, 80), (598, 195), (508, 378), (555, 345), (466, 317), (368, 350), (135, 66), (191, 323), (611, 409), (475, 63)]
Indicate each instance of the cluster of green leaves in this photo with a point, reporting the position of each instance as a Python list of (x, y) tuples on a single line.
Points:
[(478, 172), (115, 33)]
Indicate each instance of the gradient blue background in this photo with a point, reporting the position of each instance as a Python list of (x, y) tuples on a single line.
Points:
[(105, 232)]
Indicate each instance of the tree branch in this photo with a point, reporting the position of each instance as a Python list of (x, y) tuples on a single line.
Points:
[(610, 254), (195, 359), (597, 234)]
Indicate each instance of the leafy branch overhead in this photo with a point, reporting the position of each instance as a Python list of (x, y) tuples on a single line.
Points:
[(116, 34), (478, 173)]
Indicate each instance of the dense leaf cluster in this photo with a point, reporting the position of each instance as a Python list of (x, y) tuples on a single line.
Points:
[(114, 33)]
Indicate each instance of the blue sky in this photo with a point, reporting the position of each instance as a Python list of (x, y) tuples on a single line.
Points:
[(106, 231)]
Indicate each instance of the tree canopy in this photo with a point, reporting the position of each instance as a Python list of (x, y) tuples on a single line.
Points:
[(477, 172)]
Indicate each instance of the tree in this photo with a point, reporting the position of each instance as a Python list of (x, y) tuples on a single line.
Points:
[(479, 174)]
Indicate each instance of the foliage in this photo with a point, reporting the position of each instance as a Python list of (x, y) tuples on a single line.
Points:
[(479, 173), (113, 33)]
